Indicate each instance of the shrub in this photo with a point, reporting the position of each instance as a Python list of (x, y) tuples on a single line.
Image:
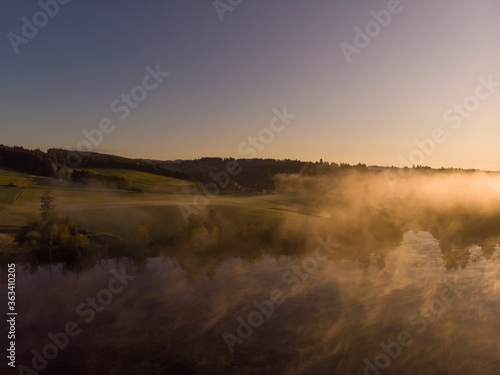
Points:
[(142, 233)]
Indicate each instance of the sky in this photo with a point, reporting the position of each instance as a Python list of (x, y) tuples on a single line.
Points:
[(375, 82)]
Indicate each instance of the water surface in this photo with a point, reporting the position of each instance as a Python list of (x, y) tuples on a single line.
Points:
[(335, 314)]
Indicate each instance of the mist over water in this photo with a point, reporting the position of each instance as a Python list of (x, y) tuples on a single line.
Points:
[(459, 208), (335, 319), (411, 285)]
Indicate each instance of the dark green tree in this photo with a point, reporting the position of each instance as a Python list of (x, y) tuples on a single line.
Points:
[(47, 208)]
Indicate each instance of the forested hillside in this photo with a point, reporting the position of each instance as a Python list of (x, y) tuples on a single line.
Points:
[(244, 173)]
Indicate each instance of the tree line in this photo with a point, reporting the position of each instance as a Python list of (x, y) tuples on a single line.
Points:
[(255, 173)]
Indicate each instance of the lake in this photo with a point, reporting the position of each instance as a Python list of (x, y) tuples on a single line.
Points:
[(407, 309)]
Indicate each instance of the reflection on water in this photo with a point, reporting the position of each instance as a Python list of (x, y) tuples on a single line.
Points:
[(442, 303)]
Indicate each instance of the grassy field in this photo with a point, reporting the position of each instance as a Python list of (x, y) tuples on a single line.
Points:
[(20, 193), (12, 178), (148, 182), (154, 203)]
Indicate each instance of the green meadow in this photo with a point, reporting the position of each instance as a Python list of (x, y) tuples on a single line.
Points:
[(153, 201)]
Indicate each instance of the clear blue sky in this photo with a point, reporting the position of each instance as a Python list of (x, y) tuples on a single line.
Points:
[(226, 77)]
